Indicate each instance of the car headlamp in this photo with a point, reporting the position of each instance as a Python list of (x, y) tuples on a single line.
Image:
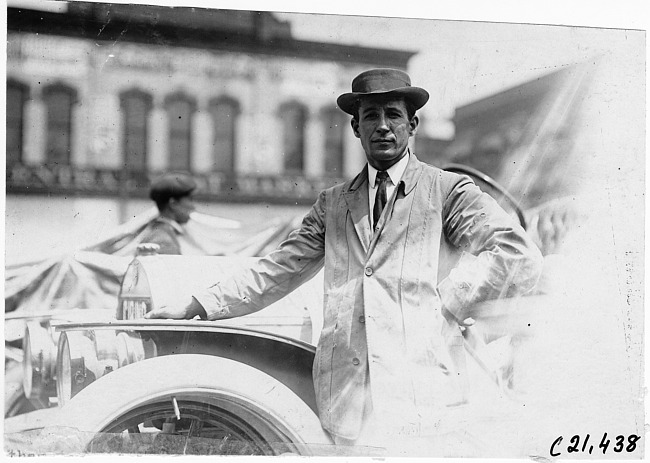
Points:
[(84, 356), (130, 348), (39, 347), (76, 364)]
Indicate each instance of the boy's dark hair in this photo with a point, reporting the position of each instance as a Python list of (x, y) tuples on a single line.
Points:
[(172, 185)]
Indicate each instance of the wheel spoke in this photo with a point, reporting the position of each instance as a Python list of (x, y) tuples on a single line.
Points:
[(202, 429), (196, 426)]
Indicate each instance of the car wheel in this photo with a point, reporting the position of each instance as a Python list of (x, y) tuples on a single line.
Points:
[(17, 404), (15, 401), (193, 404)]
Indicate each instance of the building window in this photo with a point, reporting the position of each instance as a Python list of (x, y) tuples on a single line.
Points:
[(335, 125), (294, 118), (17, 95), (224, 112), (59, 100), (135, 106), (180, 109)]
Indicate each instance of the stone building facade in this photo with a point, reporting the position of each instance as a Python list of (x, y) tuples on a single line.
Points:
[(101, 98)]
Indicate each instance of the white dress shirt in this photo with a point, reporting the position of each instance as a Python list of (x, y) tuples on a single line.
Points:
[(395, 173)]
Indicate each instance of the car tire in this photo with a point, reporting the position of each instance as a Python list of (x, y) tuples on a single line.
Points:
[(15, 401), (264, 407)]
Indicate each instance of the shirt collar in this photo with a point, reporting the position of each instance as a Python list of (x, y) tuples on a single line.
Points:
[(395, 171), (175, 225)]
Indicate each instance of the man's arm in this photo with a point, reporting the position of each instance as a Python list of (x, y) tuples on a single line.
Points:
[(274, 276), (498, 260)]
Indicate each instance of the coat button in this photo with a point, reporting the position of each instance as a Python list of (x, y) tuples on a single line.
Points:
[(355, 361), (362, 319), (368, 271)]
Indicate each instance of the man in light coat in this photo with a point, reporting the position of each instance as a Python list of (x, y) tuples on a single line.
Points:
[(393, 311)]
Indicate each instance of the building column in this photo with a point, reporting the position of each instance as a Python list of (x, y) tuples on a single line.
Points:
[(314, 146), (79, 132), (119, 130), (240, 141), (35, 130), (354, 157), (104, 133), (157, 159), (202, 134), (259, 133)]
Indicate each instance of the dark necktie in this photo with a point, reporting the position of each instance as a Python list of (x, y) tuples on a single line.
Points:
[(380, 197)]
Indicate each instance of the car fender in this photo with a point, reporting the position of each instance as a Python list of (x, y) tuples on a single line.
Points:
[(95, 407)]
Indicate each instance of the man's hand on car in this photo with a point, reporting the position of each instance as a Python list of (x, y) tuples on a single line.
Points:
[(179, 312)]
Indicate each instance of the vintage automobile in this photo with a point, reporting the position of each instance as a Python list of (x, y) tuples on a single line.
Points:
[(119, 383), (243, 386)]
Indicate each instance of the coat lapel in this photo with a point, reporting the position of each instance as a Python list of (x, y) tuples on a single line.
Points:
[(411, 174), (407, 183), (356, 198)]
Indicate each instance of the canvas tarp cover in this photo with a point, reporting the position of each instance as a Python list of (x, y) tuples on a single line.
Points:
[(89, 277)]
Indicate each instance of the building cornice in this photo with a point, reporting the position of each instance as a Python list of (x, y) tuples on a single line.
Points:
[(84, 24)]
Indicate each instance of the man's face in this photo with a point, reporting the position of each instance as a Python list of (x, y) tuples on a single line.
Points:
[(181, 208), (384, 129)]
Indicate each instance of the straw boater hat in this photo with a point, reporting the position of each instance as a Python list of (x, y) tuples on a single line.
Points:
[(390, 82)]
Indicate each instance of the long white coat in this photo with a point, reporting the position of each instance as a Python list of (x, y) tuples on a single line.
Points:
[(385, 342)]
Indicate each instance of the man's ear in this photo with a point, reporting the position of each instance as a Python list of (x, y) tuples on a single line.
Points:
[(355, 127), (172, 204), (413, 125)]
